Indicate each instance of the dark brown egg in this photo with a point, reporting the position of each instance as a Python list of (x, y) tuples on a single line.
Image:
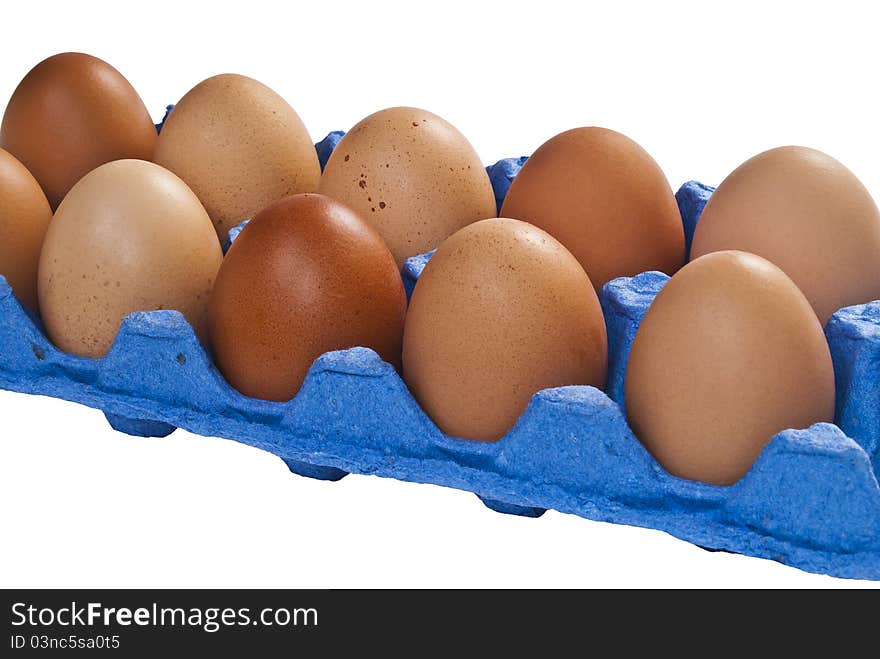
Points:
[(729, 354), (70, 114), (602, 196), (501, 312), (306, 276), (24, 218)]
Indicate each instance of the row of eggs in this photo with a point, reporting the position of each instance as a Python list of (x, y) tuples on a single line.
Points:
[(101, 217)]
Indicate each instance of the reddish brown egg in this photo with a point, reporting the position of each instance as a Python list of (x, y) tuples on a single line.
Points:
[(603, 197), (306, 276), (501, 312), (24, 218), (729, 354), (70, 114)]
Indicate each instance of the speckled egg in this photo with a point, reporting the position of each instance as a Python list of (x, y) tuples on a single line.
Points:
[(71, 113), (239, 146), (501, 311), (306, 276), (603, 197), (729, 354), (411, 175), (130, 236), (24, 218)]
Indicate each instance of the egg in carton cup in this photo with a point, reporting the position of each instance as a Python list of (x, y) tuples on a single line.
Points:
[(811, 500)]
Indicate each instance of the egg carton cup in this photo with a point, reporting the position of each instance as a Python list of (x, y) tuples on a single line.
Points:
[(811, 500)]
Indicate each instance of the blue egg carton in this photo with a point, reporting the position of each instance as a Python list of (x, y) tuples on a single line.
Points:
[(811, 500)]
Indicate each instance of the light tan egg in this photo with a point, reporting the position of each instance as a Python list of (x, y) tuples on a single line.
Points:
[(239, 146), (411, 175), (807, 213), (729, 354), (130, 236)]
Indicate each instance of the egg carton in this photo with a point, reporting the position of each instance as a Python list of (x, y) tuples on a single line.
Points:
[(811, 500)]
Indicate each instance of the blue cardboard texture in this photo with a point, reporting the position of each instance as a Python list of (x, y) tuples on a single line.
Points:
[(811, 500), (853, 335), (233, 234), (412, 270), (625, 302), (326, 146), (501, 175), (692, 198), (168, 109)]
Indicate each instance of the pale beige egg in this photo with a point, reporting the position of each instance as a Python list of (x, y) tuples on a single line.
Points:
[(130, 236)]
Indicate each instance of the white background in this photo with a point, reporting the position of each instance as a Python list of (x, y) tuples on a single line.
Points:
[(701, 88)]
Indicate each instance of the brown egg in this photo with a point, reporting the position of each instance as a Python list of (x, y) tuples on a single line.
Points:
[(24, 218), (501, 311), (603, 197), (130, 236), (808, 214), (729, 354), (413, 176), (239, 146), (70, 114), (306, 276)]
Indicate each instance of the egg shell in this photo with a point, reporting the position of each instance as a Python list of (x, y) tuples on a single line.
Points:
[(24, 218), (808, 214), (71, 113), (603, 197), (307, 275), (728, 355), (130, 236), (501, 311), (239, 146), (413, 176)]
